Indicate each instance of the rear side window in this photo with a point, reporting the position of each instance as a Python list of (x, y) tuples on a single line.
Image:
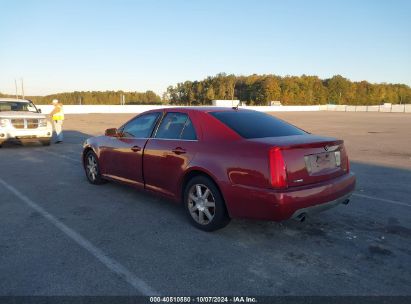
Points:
[(176, 126), (251, 124), (188, 132)]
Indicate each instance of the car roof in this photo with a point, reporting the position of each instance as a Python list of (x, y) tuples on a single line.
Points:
[(14, 100), (204, 109)]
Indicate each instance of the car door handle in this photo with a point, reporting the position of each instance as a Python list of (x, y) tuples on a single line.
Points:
[(178, 151), (136, 149)]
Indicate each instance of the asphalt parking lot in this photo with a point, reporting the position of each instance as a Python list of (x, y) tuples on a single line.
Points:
[(60, 235)]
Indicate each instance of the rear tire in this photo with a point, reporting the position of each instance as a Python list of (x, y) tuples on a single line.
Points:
[(92, 169), (204, 204)]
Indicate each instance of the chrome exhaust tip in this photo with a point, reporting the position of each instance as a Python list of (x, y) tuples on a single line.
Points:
[(300, 218)]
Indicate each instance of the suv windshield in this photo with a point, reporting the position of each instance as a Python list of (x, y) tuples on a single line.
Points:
[(251, 124), (17, 106)]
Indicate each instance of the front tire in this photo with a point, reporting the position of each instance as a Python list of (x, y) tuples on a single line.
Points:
[(204, 204), (45, 142), (92, 169)]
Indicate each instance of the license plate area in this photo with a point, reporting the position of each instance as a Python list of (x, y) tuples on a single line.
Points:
[(26, 137), (322, 162)]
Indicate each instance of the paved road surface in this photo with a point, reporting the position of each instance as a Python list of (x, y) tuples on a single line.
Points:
[(59, 235)]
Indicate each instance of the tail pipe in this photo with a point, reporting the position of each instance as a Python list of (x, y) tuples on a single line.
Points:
[(301, 217)]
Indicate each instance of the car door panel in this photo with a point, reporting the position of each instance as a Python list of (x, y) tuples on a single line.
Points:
[(164, 164), (123, 154), (167, 157), (126, 161)]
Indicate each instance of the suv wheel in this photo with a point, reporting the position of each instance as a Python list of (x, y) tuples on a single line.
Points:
[(45, 142), (204, 204)]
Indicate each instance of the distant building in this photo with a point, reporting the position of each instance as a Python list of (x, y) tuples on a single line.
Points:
[(275, 103), (226, 103)]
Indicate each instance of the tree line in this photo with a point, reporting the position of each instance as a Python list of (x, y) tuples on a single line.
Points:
[(289, 90), (97, 98), (253, 90)]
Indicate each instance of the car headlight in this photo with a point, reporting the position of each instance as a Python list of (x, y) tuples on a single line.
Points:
[(42, 122), (4, 122)]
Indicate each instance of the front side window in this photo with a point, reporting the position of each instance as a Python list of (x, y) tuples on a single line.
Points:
[(31, 107), (141, 127), (176, 126)]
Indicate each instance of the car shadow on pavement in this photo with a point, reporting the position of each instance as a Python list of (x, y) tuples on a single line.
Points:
[(353, 243)]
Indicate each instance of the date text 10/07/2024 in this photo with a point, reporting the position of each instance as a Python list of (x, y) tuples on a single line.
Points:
[(203, 300)]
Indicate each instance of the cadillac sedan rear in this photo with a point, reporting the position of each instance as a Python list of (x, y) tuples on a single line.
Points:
[(224, 163), (276, 171)]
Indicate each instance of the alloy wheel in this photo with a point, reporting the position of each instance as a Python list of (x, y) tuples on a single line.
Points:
[(201, 204), (92, 167)]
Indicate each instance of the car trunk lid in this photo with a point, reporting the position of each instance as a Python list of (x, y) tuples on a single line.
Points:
[(310, 159)]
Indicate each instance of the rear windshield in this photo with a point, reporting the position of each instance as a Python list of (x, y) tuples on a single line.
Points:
[(251, 124)]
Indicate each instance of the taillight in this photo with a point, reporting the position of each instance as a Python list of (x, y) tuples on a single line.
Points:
[(278, 170), (347, 161)]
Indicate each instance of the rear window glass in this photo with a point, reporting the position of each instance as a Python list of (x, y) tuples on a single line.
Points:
[(251, 124)]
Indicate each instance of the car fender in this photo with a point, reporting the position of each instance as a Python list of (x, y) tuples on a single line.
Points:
[(90, 144), (220, 183)]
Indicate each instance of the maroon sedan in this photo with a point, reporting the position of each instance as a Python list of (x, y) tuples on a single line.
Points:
[(224, 163)]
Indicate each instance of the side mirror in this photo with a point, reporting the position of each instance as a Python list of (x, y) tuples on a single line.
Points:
[(113, 132), (38, 110)]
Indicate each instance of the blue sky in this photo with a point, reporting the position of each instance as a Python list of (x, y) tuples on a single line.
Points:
[(67, 45)]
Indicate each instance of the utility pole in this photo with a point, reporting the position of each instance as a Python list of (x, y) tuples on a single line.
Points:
[(22, 88), (15, 84)]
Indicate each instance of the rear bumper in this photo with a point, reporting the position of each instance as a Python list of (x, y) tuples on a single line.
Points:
[(269, 204), (321, 207)]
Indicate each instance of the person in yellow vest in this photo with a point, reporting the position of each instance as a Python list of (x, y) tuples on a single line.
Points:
[(57, 116)]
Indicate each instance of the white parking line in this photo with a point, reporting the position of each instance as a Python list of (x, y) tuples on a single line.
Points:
[(110, 263), (382, 199)]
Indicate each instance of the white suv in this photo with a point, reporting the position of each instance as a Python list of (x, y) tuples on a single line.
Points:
[(21, 121)]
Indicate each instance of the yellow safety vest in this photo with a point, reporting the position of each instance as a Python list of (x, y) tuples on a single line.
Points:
[(59, 115)]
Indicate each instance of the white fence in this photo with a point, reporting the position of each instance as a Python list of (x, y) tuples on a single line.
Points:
[(383, 108), (118, 109), (103, 109)]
